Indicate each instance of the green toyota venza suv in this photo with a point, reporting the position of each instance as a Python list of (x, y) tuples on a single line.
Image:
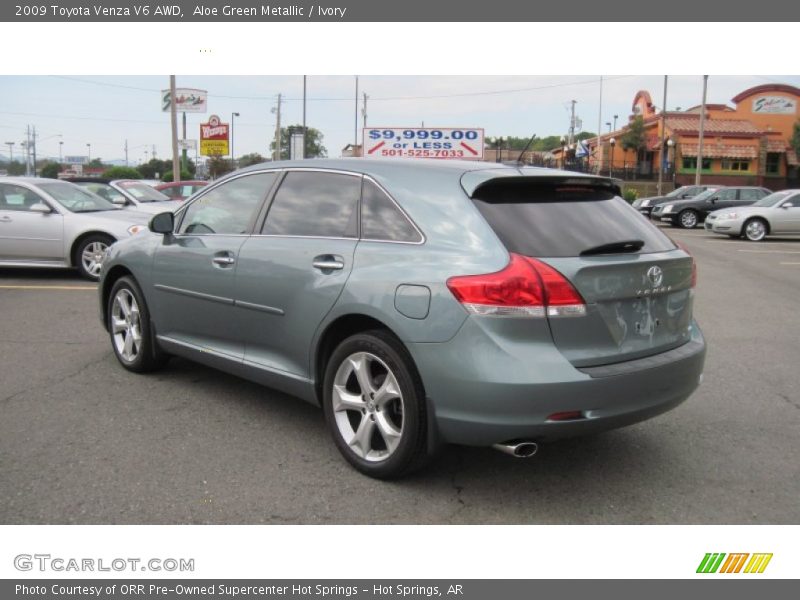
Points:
[(417, 302)]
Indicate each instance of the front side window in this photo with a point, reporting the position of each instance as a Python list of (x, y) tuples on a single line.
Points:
[(315, 204), (382, 220), (229, 208), (17, 198)]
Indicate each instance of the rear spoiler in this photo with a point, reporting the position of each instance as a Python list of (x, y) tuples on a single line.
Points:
[(472, 181)]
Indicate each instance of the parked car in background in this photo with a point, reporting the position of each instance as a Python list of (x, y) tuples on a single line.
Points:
[(180, 190), (127, 193), (645, 205), (776, 214), (51, 223), (688, 213), (417, 301)]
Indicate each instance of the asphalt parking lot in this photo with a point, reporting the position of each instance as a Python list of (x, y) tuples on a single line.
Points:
[(84, 441)]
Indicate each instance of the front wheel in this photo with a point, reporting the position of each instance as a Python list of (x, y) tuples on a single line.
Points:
[(687, 219), (375, 405), (89, 255), (755, 230), (129, 327)]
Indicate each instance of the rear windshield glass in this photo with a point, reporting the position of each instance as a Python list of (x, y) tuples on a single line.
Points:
[(553, 220)]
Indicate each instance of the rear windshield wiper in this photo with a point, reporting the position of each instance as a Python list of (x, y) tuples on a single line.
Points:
[(614, 248)]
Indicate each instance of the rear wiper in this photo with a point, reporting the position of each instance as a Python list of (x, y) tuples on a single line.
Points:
[(614, 248)]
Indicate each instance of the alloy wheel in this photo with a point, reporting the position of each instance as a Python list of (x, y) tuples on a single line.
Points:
[(92, 257), (755, 231), (368, 406), (688, 219), (126, 325)]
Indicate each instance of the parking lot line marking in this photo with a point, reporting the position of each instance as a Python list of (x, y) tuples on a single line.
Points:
[(790, 263), (48, 287), (771, 251)]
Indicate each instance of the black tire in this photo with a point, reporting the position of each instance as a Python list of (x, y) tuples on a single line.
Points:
[(148, 357), (90, 269), (755, 236), (687, 219), (410, 453)]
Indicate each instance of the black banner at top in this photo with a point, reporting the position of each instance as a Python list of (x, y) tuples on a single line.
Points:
[(244, 11)]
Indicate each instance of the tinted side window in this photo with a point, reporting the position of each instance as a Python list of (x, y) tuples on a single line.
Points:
[(14, 197), (726, 195), (552, 220), (315, 204), (750, 195), (382, 220), (229, 208)]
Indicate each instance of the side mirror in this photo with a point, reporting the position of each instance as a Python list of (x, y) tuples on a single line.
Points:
[(787, 205), (119, 201), (162, 223), (714, 199), (40, 207), (684, 196)]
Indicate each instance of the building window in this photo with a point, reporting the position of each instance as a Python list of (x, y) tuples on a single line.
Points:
[(773, 165), (735, 165), (690, 162)]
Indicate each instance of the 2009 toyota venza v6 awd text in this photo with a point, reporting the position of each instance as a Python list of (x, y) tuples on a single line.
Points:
[(418, 302)]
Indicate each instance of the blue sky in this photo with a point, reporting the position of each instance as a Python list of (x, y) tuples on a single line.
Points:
[(107, 110)]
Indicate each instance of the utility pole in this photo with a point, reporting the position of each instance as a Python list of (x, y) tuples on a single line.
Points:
[(10, 152), (277, 111), (173, 119), (600, 130), (702, 130), (572, 123), (304, 116), (355, 126), (34, 150), (28, 151), (663, 136), (364, 110), (126, 153), (184, 157), (153, 153)]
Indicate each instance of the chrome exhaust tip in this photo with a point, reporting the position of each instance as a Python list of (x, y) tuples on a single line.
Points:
[(518, 449)]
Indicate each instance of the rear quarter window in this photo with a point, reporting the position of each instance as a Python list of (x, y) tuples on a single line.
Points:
[(552, 220)]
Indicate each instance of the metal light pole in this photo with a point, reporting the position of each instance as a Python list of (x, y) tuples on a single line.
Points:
[(233, 159), (702, 131), (671, 147), (10, 152), (663, 135), (89, 146), (173, 121), (60, 152), (615, 122)]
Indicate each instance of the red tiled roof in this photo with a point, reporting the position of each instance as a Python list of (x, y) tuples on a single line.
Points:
[(776, 146), (712, 126), (721, 151)]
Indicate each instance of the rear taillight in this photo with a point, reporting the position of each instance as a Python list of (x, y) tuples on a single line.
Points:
[(694, 262), (525, 288)]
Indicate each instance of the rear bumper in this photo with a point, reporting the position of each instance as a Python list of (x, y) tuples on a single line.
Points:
[(484, 392)]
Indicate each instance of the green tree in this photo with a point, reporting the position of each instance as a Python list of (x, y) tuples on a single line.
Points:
[(634, 138), (253, 158), (313, 145), (50, 170), (796, 137), (16, 168), (122, 173), (154, 168), (95, 162), (218, 166)]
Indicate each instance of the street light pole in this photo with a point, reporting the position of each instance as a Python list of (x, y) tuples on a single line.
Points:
[(233, 114), (89, 146), (702, 131), (60, 152), (10, 152), (663, 135)]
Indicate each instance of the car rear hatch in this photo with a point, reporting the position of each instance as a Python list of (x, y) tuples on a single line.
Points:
[(636, 284)]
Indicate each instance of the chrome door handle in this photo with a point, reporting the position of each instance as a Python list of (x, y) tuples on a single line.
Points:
[(328, 262), (223, 261)]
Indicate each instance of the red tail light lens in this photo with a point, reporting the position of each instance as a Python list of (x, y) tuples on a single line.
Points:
[(694, 262), (526, 288)]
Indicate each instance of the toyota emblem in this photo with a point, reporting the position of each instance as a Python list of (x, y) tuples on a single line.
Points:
[(655, 275)]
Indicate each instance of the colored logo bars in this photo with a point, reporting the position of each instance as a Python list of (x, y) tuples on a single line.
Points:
[(733, 563)]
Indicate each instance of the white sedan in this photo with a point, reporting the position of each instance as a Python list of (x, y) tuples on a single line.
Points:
[(776, 214)]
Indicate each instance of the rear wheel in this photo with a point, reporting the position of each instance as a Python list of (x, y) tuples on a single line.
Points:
[(375, 405), (129, 327), (89, 255), (755, 230), (687, 219)]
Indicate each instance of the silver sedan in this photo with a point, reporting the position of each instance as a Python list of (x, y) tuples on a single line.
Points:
[(50, 223), (776, 214)]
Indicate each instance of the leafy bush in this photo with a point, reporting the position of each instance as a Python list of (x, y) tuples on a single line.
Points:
[(50, 170), (630, 195), (122, 173), (185, 176)]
